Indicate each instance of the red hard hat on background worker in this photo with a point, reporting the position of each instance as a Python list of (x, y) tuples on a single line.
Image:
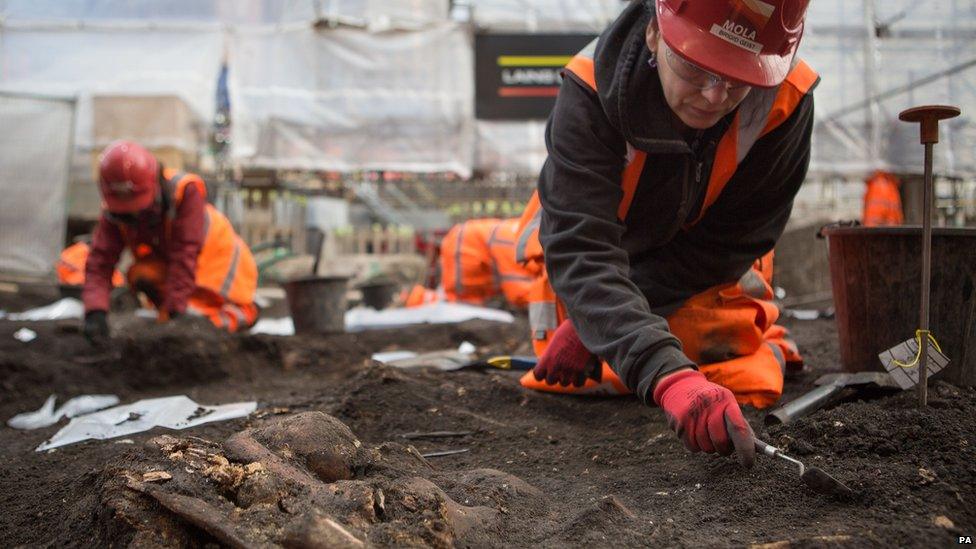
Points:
[(749, 41), (127, 177)]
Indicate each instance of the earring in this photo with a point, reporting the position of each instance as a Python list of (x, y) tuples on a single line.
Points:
[(652, 62)]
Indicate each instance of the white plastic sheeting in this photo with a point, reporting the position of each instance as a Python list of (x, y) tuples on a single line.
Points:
[(62, 309), (344, 99), (169, 11), (47, 58), (544, 15), (511, 147), (923, 38), (919, 41), (175, 412), (35, 148), (47, 415), (365, 318), (372, 13), (519, 146)]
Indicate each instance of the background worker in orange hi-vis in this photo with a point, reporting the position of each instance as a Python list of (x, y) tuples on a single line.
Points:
[(477, 262), (676, 146), (882, 201), (71, 265), (187, 257)]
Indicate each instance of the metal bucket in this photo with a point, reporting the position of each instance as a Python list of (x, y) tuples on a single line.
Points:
[(379, 294), (317, 304), (875, 273)]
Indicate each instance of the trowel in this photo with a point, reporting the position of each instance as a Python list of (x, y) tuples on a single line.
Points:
[(814, 477)]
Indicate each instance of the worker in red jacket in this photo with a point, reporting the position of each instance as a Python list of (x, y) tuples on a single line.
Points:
[(677, 144), (187, 257)]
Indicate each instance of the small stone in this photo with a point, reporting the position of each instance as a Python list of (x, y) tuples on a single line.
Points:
[(943, 521), (156, 476), (838, 424), (927, 476)]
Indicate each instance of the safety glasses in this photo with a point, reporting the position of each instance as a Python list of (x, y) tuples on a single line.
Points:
[(697, 76)]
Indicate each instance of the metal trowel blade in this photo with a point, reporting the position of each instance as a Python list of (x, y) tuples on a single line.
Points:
[(822, 483)]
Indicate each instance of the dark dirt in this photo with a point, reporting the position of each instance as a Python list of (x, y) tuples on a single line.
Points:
[(324, 459)]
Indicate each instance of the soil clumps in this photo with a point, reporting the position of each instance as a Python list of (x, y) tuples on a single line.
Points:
[(334, 454)]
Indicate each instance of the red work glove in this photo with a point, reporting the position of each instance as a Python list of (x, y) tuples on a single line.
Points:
[(566, 360), (705, 416)]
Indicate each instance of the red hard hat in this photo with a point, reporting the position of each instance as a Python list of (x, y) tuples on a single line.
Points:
[(751, 41), (127, 177)]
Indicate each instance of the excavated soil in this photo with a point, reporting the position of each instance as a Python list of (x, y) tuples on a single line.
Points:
[(333, 457)]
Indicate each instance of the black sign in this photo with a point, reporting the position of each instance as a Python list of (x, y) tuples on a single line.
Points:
[(517, 76)]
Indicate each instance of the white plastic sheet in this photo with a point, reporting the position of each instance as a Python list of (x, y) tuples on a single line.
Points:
[(907, 42), (25, 335), (35, 148), (355, 98), (364, 318), (511, 147), (128, 60), (346, 100), (274, 326), (919, 39), (372, 13), (65, 308), (545, 15), (176, 412), (47, 415)]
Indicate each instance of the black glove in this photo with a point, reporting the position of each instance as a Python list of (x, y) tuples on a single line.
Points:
[(96, 328)]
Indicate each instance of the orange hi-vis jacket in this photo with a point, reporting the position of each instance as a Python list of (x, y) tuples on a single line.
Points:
[(71, 266), (882, 201), (727, 329), (204, 267), (478, 263)]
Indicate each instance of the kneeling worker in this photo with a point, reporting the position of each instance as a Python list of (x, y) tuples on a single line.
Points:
[(187, 257), (676, 146)]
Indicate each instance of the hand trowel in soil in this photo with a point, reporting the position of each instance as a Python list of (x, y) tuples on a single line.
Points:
[(814, 477)]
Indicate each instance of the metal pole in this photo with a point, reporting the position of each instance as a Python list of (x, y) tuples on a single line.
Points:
[(927, 117), (923, 321)]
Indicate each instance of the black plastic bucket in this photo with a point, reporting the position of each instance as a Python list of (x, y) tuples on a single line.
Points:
[(876, 277), (379, 294), (317, 304)]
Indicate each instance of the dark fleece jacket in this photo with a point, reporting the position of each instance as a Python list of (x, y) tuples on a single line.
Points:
[(618, 278)]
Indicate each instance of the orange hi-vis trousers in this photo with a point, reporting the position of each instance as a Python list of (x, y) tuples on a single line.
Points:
[(148, 274), (730, 331), (478, 263)]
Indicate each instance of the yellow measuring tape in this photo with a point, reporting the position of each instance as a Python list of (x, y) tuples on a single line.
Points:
[(918, 355)]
